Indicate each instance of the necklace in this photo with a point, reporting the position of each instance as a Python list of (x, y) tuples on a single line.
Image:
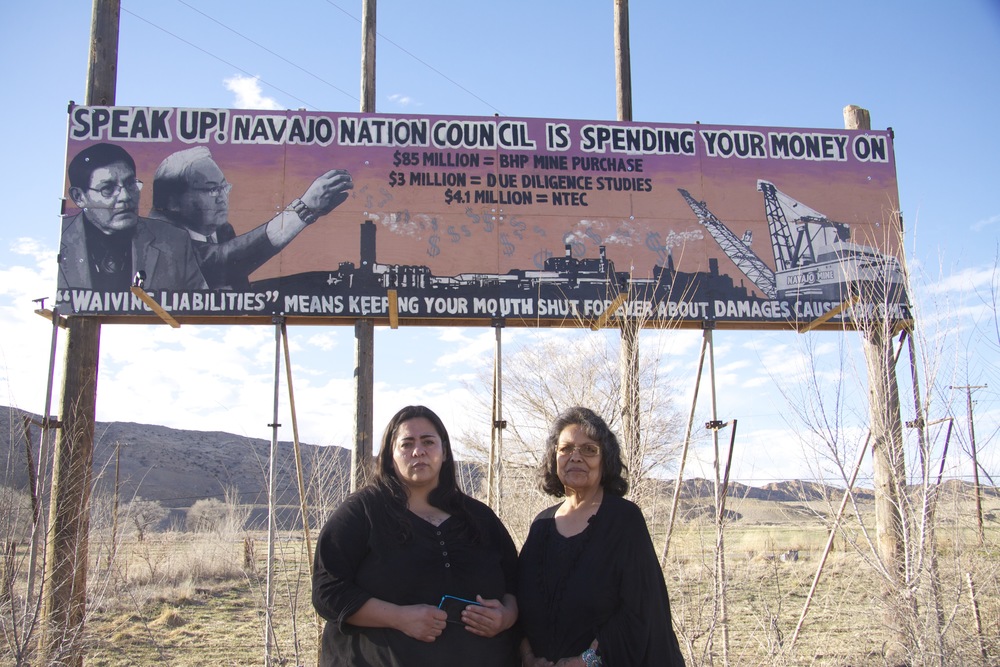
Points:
[(433, 518)]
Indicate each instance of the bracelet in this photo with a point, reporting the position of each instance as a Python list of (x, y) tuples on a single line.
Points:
[(306, 214), (590, 658)]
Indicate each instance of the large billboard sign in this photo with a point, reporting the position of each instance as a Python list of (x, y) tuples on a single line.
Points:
[(226, 215)]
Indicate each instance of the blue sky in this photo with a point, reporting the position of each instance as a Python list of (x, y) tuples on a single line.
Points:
[(928, 70)]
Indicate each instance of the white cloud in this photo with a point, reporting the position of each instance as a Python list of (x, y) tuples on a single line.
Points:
[(980, 225), (965, 280), (402, 100), (249, 94), (25, 337), (324, 341)]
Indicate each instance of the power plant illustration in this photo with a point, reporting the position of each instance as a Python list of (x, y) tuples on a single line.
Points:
[(814, 259)]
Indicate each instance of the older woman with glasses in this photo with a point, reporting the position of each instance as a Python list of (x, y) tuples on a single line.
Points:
[(590, 588)]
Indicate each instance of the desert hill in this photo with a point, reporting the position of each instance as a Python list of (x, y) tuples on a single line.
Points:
[(178, 467)]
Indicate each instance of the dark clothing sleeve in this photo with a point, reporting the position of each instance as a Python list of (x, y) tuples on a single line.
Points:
[(342, 546), (229, 263), (360, 555), (604, 583)]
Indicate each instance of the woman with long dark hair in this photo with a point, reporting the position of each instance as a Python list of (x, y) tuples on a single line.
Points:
[(410, 571)]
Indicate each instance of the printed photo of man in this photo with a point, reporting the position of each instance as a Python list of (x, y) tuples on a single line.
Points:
[(191, 192), (104, 245)]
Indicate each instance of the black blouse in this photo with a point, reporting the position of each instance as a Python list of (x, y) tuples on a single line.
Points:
[(360, 555), (605, 582)]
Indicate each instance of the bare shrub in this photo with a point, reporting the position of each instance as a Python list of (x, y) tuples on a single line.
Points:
[(144, 515)]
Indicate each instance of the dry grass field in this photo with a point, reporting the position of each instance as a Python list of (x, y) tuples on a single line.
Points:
[(187, 599)]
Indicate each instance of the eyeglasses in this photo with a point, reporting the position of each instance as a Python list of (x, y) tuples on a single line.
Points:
[(216, 190), (588, 450), (112, 190)]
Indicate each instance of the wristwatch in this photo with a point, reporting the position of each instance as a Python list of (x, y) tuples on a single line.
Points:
[(306, 214), (590, 658)]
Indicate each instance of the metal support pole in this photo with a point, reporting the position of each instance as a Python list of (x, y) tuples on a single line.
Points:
[(271, 474), (687, 442), (37, 518), (829, 541), (493, 492), (720, 541), (303, 504)]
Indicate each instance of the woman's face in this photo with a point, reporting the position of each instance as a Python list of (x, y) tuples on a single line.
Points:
[(417, 453), (578, 459)]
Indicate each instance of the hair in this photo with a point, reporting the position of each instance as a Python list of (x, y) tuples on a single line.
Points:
[(612, 468), (446, 495), (170, 179), (90, 159)]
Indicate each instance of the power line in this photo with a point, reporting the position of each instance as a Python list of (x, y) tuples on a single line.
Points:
[(422, 62), (220, 59), (276, 55), (297, 66)]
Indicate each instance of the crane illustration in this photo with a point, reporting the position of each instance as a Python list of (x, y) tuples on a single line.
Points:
[(813, 255), (737, 249)]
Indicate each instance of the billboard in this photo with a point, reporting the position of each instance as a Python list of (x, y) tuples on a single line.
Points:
[(226, 215)]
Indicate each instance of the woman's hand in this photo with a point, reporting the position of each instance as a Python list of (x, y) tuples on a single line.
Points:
[(422, 622), (490, 617), (575, 661), (529, 659)]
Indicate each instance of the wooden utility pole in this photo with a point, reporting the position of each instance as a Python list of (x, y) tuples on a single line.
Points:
[(364, 329), (888, 462), (629, 355), (64, 596), (623, 61), (975, 459)]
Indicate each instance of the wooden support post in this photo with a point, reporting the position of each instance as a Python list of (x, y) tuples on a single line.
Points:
[(364, 361), (981, 533), (977, 617), (64, 592), (364, 330), (631, 423), (623, 61), (888, 462)]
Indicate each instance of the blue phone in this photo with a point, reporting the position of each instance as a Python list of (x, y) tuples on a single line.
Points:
[(454, 607)]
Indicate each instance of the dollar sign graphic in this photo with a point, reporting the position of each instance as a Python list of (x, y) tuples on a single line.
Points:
[(433, 250), (654, 243), (518, 227), (540, 258), (508, 247), (469, 212), (455, 237)]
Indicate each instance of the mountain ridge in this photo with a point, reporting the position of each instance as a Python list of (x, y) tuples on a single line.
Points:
[(178, 467)]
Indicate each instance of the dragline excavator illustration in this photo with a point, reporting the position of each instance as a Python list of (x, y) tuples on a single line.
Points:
[(814, 257)]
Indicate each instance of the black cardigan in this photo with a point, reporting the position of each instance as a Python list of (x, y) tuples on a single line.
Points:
[(605, 582), (359, 556)]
